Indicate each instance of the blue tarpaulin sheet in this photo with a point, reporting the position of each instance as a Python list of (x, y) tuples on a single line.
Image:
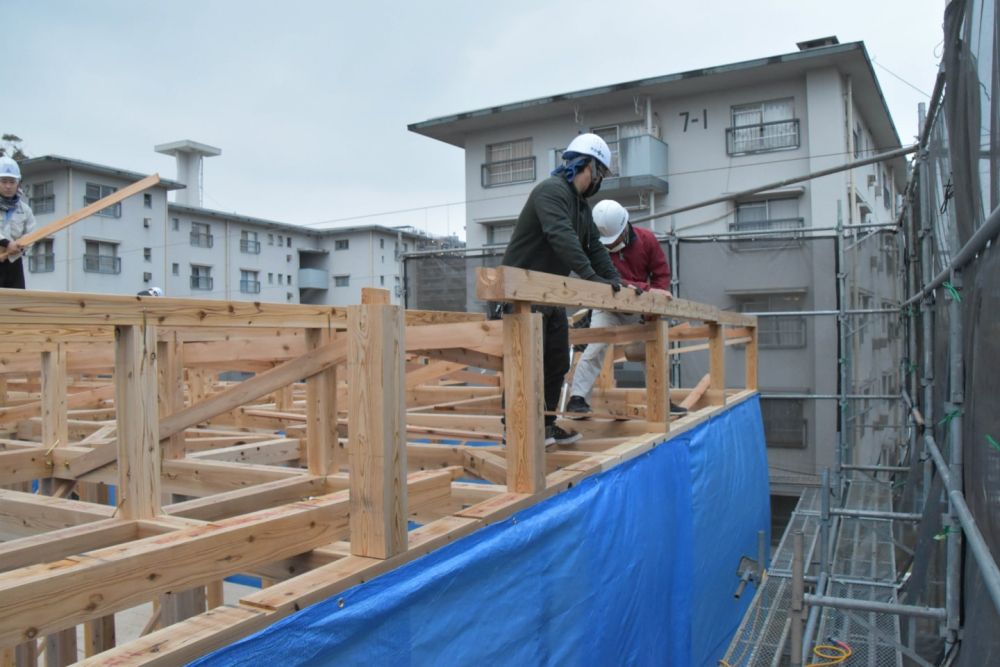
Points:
[(636, 565)]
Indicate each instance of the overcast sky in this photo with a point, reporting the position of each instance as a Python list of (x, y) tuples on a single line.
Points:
[(309, 101)]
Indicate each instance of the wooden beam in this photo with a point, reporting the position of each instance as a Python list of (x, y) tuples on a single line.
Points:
[(488, 466), (695, 394), (312, 362), (658, 373), (55, 429), (506, 283), (135, 401), (24, 465), (270, 452), (249, 499), (25, 514), (170, 369), (522, 372), (75, 400), (751, 360), (60, 543), (373, 296), (376, 447)]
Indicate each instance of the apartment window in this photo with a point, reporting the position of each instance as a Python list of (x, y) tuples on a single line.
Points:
[(341, 244), (341, 281), (784, 422), (147, 276), (147, 200), (270, 278), (777, 331), (147, 254), (381, 281), (249, 243), (288, 279), (175, 224), (762, 127), (95, 192), (270, 239), (201, 235), (886, 195), (856, 136), (101, 257), (406, 247), (147, 223), (614, 136), (43, 198), (865, 302), (289, 242), (769, 215), (175, 269), (508, 163), (381, 243), (249, 284), (42, 257), (201, 277), (499, 234)]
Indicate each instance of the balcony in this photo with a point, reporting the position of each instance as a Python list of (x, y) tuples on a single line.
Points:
[(42, 263), (773, 238), (639, 164), (247, 246), (508, 172), (102, 264), (201, 240), (250, 286), (202, 282), (314, 279), (762, 137)]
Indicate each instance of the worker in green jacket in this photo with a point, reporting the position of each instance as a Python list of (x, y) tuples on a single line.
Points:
[(555, 233)]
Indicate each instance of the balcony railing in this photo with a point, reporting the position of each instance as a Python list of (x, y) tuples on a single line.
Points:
[(637, 163), (249, 247), (202, 240), (773, 136), (202, 282), (42, 263), (249, 286), (508, 172), (780, 233), (102, 264)]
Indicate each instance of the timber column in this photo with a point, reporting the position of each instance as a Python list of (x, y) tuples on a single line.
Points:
[(523, 407)]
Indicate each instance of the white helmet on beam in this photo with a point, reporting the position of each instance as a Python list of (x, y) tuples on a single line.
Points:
[(9, 168), (592, 145), (610, 218)]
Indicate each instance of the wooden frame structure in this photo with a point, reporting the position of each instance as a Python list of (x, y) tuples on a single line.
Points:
[(306, 474)]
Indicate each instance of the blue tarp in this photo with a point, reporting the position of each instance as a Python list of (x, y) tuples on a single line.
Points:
[(636, 565)]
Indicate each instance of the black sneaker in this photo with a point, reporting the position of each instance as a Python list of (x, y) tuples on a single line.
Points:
[(579, 405), (676, 409), (556, 435)]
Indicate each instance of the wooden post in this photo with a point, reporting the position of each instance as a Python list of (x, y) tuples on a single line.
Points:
[(99, 634), (60, 648), (658, 374), (135, 405), (55, 427), (376, 430), (751, 357), (716, 364), (178, 606), (321, 413), (524, 407), (26, 654), (373, 296), (215, 593), (170, 366)]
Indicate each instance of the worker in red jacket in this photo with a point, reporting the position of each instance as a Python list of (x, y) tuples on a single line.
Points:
[(640, 262)]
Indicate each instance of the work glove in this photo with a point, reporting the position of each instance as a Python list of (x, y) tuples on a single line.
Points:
[(638, 290)]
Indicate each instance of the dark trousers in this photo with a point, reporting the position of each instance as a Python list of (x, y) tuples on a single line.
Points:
[(555, 355), (12, 274)]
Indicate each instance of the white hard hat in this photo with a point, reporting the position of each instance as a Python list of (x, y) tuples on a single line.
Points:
[(9, 168), (610, 218), (592, 145)]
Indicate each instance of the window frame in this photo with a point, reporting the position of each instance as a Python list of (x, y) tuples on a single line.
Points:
[(513, 170)]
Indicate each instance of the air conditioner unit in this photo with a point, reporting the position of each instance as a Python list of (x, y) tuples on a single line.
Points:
[(147, 276)]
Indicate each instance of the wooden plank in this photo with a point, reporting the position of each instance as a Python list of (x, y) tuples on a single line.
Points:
[(658, 373), (525, 426), (464, 357), (78, 465), (373, 296), (429, 372), (323, 451), (170, 369), (24, 465), (312, 362), (752, 360), (60, 648), (695, 394), (135, 401), (376, 446), (506, 283), (272, 452), (76, 400), (85, 212), (717, 364), (241, 501), (24, 514), (485, 337), (489, 466), (55, 429), (57, 544)]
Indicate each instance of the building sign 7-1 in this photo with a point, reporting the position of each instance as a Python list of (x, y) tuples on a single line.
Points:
[(689, 119)]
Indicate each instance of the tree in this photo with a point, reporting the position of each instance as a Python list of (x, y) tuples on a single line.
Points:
[(11, 145)]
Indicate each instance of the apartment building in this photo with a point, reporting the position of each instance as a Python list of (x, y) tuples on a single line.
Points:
[(196, 252), (686, 138)]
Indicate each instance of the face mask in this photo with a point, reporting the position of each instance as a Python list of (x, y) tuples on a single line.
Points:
[(595, 181)]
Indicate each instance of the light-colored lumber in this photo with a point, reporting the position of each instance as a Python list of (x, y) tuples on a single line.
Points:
[(323, 453), (717, 364), (376, 446), (695, 394), (752, 359), (135, 401), (658, 373), (525, 425)]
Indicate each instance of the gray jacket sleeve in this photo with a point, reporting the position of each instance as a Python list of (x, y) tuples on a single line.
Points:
[(555, 216), (600, 259)]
